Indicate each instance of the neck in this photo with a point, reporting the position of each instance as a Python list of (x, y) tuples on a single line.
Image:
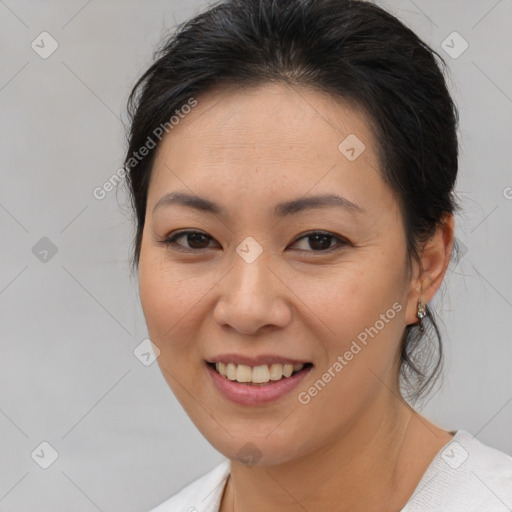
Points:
[(375, 464)]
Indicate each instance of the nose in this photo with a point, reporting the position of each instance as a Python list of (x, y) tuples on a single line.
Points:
[(252, 296)]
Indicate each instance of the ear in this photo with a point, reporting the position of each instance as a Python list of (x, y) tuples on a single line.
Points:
[(429, 274)]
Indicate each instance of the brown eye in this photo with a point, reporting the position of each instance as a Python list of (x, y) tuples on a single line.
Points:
[(318, 241), (196, 240), (321, 241)]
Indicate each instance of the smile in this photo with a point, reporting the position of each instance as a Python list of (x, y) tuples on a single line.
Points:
[(262, 374), (262, 383)]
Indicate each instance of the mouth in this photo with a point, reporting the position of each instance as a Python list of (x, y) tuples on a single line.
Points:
[(261, 375)]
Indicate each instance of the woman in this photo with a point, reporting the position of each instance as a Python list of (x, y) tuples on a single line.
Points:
[(292, 168)]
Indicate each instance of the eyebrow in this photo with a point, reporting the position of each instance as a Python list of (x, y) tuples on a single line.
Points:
[(281, 210)]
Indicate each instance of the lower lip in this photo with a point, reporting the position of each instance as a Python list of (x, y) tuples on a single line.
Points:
[(247, 394)]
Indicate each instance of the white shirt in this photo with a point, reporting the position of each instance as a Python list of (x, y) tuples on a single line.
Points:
[(465, 476)]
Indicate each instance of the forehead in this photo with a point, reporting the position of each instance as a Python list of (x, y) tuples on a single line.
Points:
[(265, 138)]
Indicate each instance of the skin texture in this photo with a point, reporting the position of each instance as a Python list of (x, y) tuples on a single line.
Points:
[(356, 445)]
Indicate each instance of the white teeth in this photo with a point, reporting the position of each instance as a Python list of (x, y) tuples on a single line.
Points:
[(231, 371), (260, 374), (257, 374), (243, 373), (276, 371)]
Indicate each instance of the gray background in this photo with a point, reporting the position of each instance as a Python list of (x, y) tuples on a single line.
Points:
[(70, 321)]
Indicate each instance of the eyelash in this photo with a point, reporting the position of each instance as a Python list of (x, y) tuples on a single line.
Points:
[(171, 241)]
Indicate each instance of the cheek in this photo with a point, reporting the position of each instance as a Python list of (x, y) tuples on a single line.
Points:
[(359, 313), (167, 298), (353, 297)]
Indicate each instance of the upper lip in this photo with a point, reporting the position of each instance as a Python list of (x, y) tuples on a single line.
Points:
[(255, 360)]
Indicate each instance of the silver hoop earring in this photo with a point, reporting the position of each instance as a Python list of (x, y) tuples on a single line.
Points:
[(421, 313)]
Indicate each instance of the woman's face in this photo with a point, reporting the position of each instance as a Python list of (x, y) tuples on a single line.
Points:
[(253, 288)]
